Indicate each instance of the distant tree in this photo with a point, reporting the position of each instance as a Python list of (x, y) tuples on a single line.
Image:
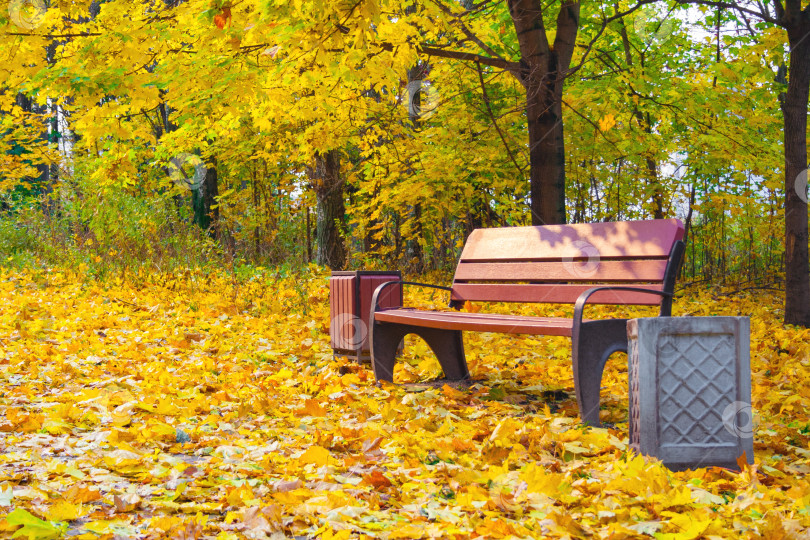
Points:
[(795, 20), (547, 34)]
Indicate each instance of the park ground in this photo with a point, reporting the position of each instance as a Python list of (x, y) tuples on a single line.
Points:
[(205, 406)]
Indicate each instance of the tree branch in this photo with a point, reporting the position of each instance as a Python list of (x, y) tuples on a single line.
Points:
[(739, 9), (54, 36), (493, 59), (595, 126), (683, 111), (778, 8), (495, 122), (793, 8), (605, 22), (472, 57), (567, 28), (467, 32)]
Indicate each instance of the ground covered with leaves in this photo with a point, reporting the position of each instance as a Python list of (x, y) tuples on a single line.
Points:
[(192, 406)]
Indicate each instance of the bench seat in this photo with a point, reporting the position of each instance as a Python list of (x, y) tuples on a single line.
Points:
[(481, 322)]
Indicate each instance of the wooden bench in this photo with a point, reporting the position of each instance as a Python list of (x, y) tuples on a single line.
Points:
[(622, 263)]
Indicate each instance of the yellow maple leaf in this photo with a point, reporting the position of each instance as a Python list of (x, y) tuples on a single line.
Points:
[(66, 511), (81, 493), (312, 408), (316, 455), (607, 122)]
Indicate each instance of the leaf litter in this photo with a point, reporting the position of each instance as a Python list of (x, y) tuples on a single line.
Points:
[(190, 409)]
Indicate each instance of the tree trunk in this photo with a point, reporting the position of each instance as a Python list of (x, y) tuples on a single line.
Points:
[(658, 191), (308, 233), (546, 156), (206, 209), (543, 71), (371, 240), (413, 248), (645, 122), (328, 186), (257, 213), (794, 110)]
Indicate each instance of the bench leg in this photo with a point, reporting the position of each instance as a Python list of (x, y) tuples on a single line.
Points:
[(447, 345), (591, 346)]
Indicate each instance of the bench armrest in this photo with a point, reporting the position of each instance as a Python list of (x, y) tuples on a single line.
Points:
[(579, 307), (375, 298)]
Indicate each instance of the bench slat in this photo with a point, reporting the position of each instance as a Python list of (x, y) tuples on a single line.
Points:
[(551, 294), (481, 322), (626, 239), (574, 270)]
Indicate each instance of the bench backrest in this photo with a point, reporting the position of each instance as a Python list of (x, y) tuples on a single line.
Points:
[(556, 263)]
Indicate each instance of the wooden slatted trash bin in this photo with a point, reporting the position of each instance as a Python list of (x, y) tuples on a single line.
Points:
[(690, 390), (350, 305)]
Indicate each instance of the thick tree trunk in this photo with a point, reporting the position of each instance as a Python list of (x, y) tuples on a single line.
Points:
[(543, 71), (328, 186), (546, 157), (794, 109)]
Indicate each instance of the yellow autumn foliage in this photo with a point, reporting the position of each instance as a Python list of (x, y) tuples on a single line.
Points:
[(201, 410)]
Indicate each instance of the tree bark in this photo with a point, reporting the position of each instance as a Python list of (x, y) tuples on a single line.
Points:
[(790, 16), (328, 187), (257, 226), (543, 69), (206, 209), (308, 233), (794, 109), (413, 249)]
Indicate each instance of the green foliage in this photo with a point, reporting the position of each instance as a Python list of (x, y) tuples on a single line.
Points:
[(105, 232)]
